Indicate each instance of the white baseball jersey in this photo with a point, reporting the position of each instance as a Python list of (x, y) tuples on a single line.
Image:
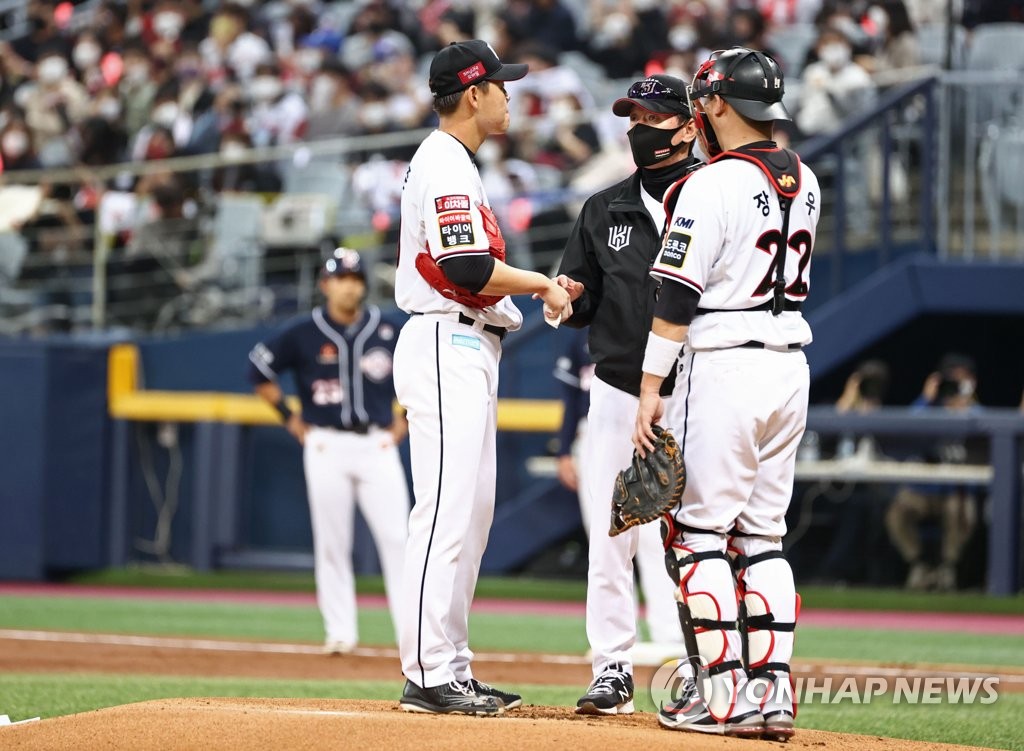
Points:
[(744, 409), (446, 377), (441, 203), (721, 242)]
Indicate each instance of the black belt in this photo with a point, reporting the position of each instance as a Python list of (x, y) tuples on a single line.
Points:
[(361, 429), (762, 345), (498, 331), (788, 305)]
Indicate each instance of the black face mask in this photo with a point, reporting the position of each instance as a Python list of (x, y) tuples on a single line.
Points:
[(652, 145)]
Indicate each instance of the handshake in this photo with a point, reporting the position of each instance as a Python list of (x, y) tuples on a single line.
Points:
[(558, 299)]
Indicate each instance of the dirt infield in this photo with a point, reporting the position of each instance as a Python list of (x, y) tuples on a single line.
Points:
[(187, 724), (230, 724)]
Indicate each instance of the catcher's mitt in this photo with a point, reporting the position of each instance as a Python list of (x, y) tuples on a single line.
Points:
[(648, 487)]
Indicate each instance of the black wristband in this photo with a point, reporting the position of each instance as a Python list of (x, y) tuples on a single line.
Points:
[(281, 407)]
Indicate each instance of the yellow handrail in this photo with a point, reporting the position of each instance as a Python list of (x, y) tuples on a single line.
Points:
[(126, 401)]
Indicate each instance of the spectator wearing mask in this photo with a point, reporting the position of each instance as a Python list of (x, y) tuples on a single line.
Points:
[(54, 106), (334, 107), (623, 36), (233, 176), (834, 87), (951, 387), (898, 47), (374, 29), (278, 116), (230, 45), (86, 56), (16, 147), (136, 87), (166, 117)]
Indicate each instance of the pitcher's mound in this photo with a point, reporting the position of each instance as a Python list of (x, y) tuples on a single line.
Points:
[(247, 724)]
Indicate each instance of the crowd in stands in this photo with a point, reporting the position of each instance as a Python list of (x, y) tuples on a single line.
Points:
[(105, 82)]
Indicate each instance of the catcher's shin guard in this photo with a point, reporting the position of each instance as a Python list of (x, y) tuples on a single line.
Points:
[(770, 606), (708, 612)]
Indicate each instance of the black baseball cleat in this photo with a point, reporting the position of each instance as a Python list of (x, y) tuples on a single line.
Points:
[(507, 698), (454, 697), (610, 693)]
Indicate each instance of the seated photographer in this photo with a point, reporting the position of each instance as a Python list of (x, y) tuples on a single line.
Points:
[(856, 554), (951, 387)]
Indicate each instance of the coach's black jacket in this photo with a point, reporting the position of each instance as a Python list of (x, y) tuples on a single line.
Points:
[(619, 293)]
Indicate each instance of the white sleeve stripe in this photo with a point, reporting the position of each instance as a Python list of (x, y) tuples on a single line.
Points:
[(567, 378), (678, 278), (263, 368)]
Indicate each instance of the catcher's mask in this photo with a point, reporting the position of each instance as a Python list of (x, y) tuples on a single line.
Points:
[(749, 80)]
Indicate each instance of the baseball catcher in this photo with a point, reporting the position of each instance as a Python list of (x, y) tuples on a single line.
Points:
[(650, 485)]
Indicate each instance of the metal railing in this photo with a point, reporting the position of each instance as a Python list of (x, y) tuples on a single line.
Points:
[(1004, 431)]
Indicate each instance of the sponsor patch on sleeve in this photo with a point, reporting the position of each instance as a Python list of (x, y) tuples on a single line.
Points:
[(456, 229), (451, 203), (673, 251)]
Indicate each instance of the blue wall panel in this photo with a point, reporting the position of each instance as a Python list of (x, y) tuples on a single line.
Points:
[(22, 461)]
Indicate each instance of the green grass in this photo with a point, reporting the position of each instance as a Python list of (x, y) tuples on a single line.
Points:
[(491, 632), (541, 589), (50, 695)]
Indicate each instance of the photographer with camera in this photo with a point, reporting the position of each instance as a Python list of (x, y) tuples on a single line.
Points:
[(952, 387), (856, 552)]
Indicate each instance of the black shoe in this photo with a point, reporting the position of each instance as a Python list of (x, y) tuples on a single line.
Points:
[(610, 693), (508, 699), (449, 698)]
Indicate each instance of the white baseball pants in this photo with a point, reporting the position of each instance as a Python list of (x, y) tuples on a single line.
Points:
[(611, 601), (744, 412), (343, 469), (446, 376)]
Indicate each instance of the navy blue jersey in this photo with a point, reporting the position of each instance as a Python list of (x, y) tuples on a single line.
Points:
[(343, 373), (574, 369)]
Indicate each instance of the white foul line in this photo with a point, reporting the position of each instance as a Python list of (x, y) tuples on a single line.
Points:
[(215, 645)]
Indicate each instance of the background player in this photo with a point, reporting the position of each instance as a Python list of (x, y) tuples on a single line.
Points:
[(453, 279), (341, 357), (609, 252), (734, 267)]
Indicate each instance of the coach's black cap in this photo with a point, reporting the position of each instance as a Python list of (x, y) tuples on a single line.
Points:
[(463, 64), (662, 94)]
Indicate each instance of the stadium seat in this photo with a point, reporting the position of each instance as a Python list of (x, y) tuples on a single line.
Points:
[(931, 41), (996, 46), (1001, 172), (791, 44), (235, 254)]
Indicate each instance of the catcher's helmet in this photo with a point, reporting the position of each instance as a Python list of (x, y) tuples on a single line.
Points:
[(750, 81), (343, 262)]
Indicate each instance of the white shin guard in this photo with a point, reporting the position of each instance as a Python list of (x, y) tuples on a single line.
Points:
[(767, 625), (708, 611)]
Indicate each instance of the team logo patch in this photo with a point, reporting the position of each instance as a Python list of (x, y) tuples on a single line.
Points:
[(386, 332), (787, 181), (456, 229), (376, 364), (618, 236), (462, 340), (451, 203), (674, 249), (328, 354), (471, 73)]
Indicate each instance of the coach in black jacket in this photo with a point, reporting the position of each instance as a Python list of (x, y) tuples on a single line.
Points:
[(610, 251)]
